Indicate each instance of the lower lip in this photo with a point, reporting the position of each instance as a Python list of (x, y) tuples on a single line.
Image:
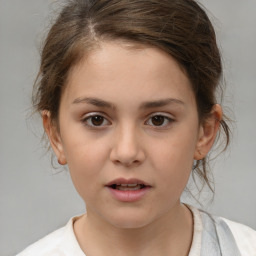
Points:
[(128, 195)]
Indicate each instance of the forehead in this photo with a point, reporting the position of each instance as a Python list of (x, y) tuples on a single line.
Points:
[(115, 66)]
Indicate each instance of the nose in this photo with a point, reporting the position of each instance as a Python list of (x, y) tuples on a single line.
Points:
[(127, 148)]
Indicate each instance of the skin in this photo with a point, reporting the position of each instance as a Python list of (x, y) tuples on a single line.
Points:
[(128, 144)]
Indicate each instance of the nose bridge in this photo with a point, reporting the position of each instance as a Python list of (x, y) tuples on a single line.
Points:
[(127, 137), (127, 147)]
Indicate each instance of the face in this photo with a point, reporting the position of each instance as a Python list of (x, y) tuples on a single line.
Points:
[(128, 116)]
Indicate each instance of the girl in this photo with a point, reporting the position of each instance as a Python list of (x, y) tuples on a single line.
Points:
[(126, 91)]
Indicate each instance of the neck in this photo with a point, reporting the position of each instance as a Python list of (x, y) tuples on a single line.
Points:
[(169, 235)]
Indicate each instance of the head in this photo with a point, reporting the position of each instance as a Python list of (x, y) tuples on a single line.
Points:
[(176, 29)]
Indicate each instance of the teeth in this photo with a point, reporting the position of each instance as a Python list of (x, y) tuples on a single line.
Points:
[(126, 187), (132, 185), (129, 185)]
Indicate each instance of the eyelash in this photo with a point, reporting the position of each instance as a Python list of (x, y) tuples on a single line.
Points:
[(85, 120)]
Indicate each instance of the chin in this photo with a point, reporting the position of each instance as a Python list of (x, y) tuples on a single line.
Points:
[(130, 220), (129, 223)]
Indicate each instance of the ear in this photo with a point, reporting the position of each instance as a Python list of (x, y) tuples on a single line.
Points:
[(54, 137), (207, 133)]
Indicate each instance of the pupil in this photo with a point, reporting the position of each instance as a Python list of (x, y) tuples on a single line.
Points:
[(97, 120), (158, 120)]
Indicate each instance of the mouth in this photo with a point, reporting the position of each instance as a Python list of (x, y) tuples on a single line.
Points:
[(127, 184), (128, 190), (128, 187)]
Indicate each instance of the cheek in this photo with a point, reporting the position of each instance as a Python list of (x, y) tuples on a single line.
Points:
[(86, 158), (173, 159), (83, 150)]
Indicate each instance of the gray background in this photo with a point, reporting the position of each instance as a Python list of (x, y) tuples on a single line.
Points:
[(34, 200)]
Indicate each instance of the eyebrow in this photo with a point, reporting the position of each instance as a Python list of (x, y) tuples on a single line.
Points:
[(95, 101), (160, 103), (145, 105)]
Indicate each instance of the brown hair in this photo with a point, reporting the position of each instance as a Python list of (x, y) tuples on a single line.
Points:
[(179, 27)]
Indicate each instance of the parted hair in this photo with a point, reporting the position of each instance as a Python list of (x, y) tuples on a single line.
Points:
[(180, 28)]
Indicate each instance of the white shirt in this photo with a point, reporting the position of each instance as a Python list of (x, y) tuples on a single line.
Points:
[(245, 237), (63, 242)]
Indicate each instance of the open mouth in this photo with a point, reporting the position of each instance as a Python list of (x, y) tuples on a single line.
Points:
[(128, 190), (127, 187)]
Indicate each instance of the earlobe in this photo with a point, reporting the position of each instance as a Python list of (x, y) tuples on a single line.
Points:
[(54, 137), (207, 133)]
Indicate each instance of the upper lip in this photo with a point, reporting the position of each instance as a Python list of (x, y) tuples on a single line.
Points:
[(127, 181)]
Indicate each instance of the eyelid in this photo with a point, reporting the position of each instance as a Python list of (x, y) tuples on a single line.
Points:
[(165, 115), (161, 114), (92, 114)]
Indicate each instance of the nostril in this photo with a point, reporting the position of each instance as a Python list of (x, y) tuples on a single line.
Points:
[(127, 153), (127, 163)]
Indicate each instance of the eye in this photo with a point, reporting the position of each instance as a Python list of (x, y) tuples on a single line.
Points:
[(95, 120), (159, 120)]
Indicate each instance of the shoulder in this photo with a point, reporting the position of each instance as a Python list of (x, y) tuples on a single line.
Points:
[(245, 237), (61, 242), (46, 245), (222, 231)]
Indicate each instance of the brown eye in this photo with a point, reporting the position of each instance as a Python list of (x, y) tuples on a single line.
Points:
[(158, 120), (95, 121)]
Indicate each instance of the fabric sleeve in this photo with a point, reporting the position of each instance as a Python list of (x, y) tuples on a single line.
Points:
[(245, 237)]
